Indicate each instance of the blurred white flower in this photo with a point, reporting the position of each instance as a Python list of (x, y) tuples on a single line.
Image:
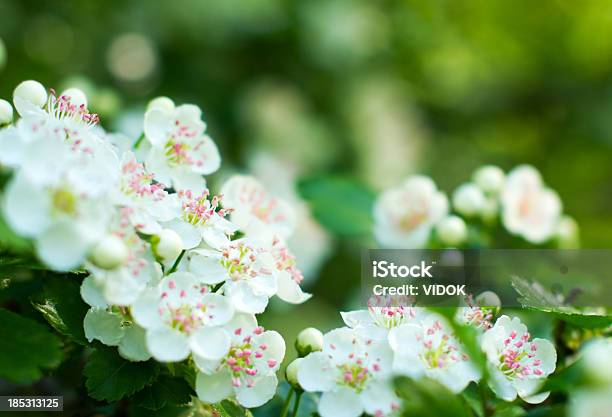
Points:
[(489, 178), (405, 215), (429, 349), (529, 208), (247, 371), (353, 373), (516, 364)]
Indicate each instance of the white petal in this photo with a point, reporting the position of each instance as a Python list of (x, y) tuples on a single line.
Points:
[(210, 343), (92, 292), (275, 350), (206, 266), (379, 397), (500, 385), (190, 234), (145, 309), (104, 326), (289, 290), (356, 318), (133, 346), (245, 299), (184, 179), (209, 153), (26, 207), (316, 373), (214, 388), (167, 345), (219, 309), (63, 246), (341, 403), (260, 393), (156, 126)]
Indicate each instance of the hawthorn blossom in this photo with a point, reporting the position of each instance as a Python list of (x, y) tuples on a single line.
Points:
[(288, 276), (180, 150), (248, 370), (480, 311), (517, 364), (123, 284), (381, 316), (201, 219), (353, 373), (529, 208), (405, 215), (244, 268), (430, 349), (182, 316), (254, 210)]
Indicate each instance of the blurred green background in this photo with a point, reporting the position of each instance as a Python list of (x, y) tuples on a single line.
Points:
[(373, 90)]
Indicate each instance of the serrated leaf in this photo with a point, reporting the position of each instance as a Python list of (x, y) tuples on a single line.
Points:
[(26, 348), (62, 307), (341, 205), (534, 297), (229, 408), (166, 390), (110, 377)]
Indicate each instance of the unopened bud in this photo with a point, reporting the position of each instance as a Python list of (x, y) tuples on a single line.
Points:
[(162, 103), (30, 91), (291, 373), (309, 340), (597, 361), (451, 230), (168, 244), (110, 252), (488, 299), (6, 112), (468, 199), (489, 178)]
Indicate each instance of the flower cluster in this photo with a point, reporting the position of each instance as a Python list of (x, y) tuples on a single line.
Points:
[(168, 278), (354, 365), (416, 214)]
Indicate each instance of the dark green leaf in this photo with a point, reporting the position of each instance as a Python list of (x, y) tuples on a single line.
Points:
[(509, 410), (166, 390), (341, 205), (110, 377), (62, 306), (26, 348), (227, 408), (424, 399)]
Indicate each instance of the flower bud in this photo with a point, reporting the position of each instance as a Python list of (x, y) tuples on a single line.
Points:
[(76, 95), (309, 340), (110, 252), (489, 178), (488, 299), (6, 112), (162, 103), (568, 236), (291, 373), (468, 199), (451, 230), (168, 245), (597, 361), (30, 91)]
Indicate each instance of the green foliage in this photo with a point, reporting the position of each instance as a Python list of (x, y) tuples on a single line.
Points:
[(535, 297), (165, 390), (111, 378), (227, 408), (341, 205), (428, 398), (26, 348), (61, 305)]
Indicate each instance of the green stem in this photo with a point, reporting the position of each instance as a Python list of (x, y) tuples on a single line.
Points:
[(286, 404), (486, 411), (296, 405), (136, 144), (176, 263)]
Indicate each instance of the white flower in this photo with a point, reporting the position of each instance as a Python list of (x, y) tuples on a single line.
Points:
[(123, 284), (180, 150), (254, 210), (200, 220), (405, 215), (489, 178), (468, 200), (479, 312), (182, 316), (248, 369), (6, 112), (376, 321), (288, 276), (431, 350), (451, 230), (352, 371), (529, 209), (163, 103), (245, 269), (516, 364)]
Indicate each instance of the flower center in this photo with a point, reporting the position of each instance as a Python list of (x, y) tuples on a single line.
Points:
[(390, 317), (517, 359), (140, 183), (440, 349), (62, 108), (354, 375), (198, 210), (242, 358), (64, 201)]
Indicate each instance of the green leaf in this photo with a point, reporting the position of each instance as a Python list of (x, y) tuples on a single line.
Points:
[(110, 377), (534, 297), (341, 205), (11, 241), (428, 398), (227, 408), (509, 411), (62, 307), (166, 390), (26, 348)]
